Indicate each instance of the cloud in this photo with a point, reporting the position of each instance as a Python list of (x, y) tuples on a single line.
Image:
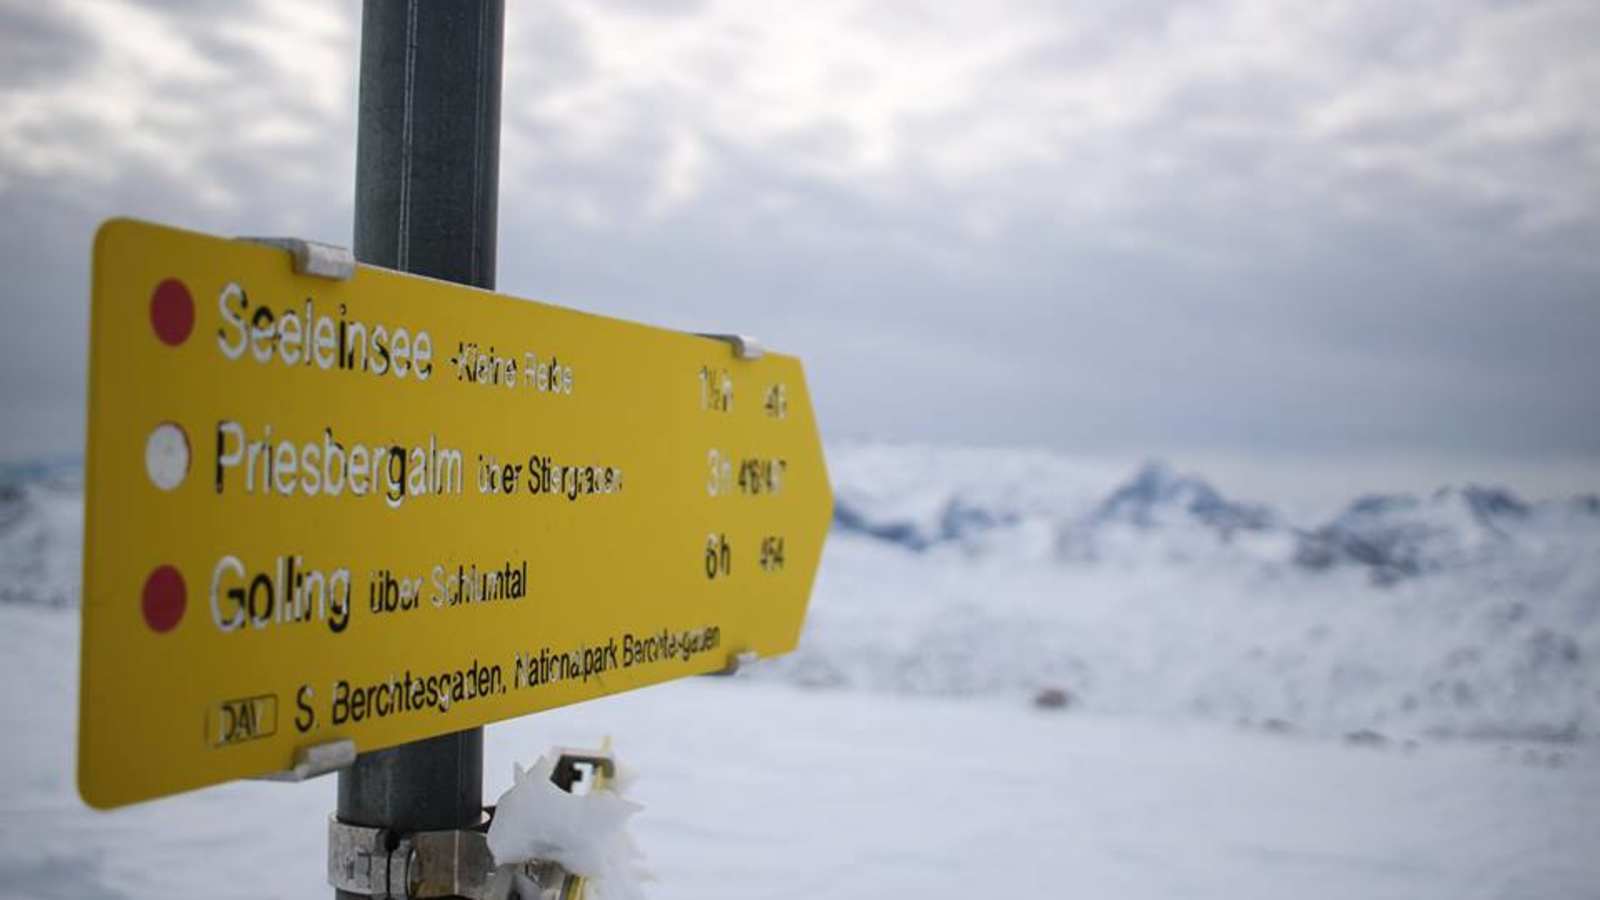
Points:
[(1230, 103), (1142, 227), (186, 100)]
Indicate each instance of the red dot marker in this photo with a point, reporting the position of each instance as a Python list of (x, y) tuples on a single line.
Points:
[(164, 599), (172, 312)]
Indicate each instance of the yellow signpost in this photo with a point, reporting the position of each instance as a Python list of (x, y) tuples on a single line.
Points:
[(363, 511)]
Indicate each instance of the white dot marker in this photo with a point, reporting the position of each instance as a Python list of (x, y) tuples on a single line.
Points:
[(166, 456)]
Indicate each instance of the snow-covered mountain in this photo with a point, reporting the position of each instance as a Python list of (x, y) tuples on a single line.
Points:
[(927, 498), (1161, 515), (1466, 611), (1157, 496), (41, 534), (1399, 536)]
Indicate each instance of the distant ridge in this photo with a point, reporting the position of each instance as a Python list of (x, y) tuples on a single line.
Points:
[(1183, 516), (1156, 496)]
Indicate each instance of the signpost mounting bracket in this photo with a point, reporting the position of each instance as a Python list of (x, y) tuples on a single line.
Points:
[(744, 345), (318, 760), (736, 661), (313, 258), (380, 863)]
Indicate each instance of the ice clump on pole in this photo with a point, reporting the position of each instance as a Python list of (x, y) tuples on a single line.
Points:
[(586, 834)]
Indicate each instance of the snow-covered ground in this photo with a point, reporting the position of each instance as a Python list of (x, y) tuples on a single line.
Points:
[(756, 790), (1399, 699), (1464, 610)]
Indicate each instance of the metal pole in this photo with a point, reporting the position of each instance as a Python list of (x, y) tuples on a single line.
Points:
[(427, 186)]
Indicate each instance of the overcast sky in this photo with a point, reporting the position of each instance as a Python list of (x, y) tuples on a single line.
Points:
[(1239, 227)]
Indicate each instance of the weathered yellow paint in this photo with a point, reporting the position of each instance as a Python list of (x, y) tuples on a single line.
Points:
[(162, 712)]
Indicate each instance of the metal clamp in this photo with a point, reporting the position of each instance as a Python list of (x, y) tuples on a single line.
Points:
[(313, 258), (447, 864), (429, 865), (384, 864), (309, 762), (361, 861), (744, 346)]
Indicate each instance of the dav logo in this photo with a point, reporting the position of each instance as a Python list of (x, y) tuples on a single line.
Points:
[(237, 721)]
